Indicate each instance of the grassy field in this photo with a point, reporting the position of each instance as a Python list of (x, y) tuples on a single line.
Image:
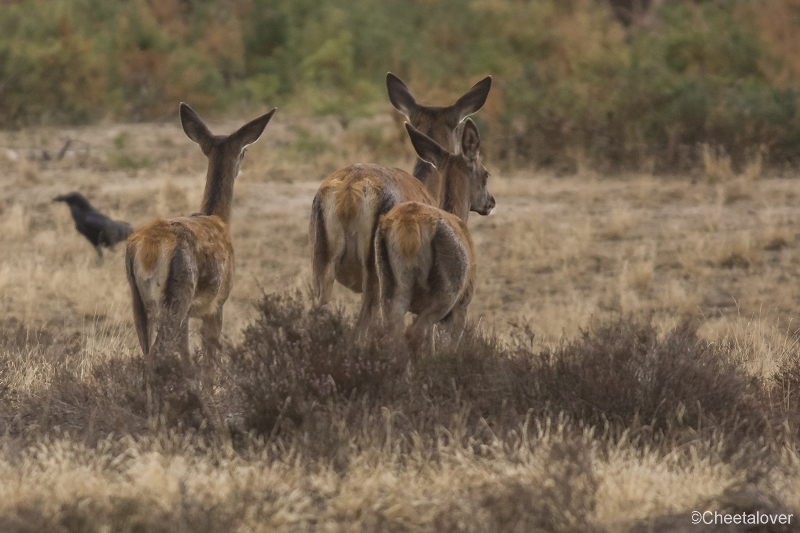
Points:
[(574, 270)]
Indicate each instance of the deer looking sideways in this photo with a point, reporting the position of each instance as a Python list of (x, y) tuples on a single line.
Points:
[(424, 255), (346, 208), (183, 267)]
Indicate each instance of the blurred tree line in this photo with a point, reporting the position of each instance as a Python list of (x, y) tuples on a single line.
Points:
[(607, 82)]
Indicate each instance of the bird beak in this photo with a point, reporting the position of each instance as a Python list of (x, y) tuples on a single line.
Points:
[(59, 198)]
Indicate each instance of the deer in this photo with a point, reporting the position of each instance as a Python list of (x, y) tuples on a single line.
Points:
[(424, 254), (182, 267), (346, 208)]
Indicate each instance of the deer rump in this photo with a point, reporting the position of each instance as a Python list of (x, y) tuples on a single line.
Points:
[(345, 215), (178, 268), (426, 265)]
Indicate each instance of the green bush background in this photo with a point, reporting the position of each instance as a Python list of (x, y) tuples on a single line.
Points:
[(572, 84)]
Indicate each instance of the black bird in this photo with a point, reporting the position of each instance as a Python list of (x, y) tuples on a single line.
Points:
[(92, 224)]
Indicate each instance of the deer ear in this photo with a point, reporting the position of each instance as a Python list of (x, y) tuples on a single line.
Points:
[(250, 132), (427, 149), (399, 95), (194, 127), (470, 140), (473, 99)]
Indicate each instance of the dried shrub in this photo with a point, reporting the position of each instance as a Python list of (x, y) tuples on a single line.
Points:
[(619, 377), (118, 395), (127, 513), (111, 399), (739, 252), (784, 387), (295, 357), (302, 370), (625, 376), (622, 377)]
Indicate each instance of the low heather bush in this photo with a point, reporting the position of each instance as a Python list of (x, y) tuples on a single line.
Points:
[(48, 383), (301, 374), (625, 375), (295, 357), (302, 363)]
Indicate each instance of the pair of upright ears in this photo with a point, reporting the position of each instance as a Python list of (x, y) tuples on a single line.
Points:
[(468, 104), (196, 130)]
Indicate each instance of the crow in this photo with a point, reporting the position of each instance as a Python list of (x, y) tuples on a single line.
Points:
[(92, 224)]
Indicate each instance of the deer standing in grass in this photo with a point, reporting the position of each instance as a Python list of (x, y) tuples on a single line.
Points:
[(424, 255), (183, 267), (345, 211)]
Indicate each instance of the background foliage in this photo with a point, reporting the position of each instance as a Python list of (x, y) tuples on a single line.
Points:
[(574, 84)]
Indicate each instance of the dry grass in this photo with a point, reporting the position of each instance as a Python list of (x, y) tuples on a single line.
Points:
[(166, 486), (83, 449), (550, 253), (615, 430)]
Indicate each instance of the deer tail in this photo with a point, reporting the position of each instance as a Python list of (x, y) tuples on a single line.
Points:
[(348, 197), (407, 233)]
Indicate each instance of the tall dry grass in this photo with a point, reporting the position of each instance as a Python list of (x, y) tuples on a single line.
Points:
[(619, 429)]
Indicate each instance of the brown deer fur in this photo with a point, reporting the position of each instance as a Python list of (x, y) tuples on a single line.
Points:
[(346, 208), (183, 267), (424, 255)]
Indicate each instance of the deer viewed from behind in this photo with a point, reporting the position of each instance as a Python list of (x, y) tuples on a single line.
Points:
[(424, 255), (183, 267), (347, 205)]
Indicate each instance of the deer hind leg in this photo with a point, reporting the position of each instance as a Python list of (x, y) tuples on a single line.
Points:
[(420, 332), (172, 333), (370, 290), (324, 277), (452, 292), (394, 300), (209, 333), (370, 280), (453, 324), (173, 328), (370, 286), (370, 296)]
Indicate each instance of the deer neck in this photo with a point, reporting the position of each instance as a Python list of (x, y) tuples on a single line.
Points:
[(218, 194), (453, 192)]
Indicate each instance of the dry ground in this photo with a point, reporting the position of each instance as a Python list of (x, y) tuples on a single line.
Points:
[(561, 254)]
